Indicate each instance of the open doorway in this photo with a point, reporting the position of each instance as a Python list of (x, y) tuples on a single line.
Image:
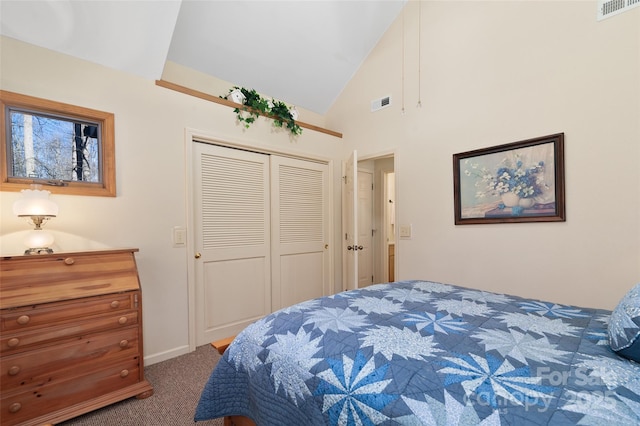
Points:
[(389, 222), (382, 214)]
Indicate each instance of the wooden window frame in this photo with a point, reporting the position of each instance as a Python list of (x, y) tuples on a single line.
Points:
[(106, 188)]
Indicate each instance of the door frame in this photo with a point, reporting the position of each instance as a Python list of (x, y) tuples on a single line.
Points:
[(191, 135)]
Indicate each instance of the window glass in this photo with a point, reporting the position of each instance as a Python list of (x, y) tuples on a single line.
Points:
[(53, 148)]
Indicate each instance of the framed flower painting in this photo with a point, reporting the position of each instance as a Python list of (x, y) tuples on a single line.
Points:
[(515, 182)]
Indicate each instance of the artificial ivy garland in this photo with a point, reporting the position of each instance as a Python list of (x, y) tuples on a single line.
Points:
[(255, 105)]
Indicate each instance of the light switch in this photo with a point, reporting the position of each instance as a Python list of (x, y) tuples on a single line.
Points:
[(405, 231), (179, 236)]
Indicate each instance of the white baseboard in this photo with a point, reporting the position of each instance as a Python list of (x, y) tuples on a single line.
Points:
[(163, 356)]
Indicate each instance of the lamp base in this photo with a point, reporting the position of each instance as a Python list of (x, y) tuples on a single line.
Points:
[(39, 250)]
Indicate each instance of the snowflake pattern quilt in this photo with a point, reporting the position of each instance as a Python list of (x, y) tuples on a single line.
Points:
[(425, 353)]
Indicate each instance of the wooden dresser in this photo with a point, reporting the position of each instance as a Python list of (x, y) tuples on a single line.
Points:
[(71, 334)]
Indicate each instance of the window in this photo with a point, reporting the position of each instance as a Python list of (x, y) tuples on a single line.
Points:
[(68, 147)]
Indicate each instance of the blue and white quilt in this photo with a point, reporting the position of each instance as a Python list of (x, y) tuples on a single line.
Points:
[(425, 353)]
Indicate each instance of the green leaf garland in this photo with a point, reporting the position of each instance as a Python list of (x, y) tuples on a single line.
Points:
[(255, 105)]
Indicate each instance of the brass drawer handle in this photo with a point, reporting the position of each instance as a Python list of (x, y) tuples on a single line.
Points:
[(124, 343), (13, 342), (69, 261), (13, 370), (15, 407), (23, 319), (123, 320), (115, 303), (124, 373)]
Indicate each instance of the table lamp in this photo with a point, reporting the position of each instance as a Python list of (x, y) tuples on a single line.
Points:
[(36, 206)]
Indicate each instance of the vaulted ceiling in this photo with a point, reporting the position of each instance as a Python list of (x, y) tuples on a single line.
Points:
[(301, 52)]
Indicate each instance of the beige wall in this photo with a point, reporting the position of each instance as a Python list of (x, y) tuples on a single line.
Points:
[(150, 125), (500, 72)]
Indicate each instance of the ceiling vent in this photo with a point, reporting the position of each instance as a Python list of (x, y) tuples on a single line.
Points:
[(608, 8), (378, 104)]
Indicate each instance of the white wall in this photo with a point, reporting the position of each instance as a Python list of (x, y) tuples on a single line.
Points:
[(500, 72), (150, 126)]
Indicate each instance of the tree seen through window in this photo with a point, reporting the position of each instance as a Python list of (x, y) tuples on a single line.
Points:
[(50, 148)]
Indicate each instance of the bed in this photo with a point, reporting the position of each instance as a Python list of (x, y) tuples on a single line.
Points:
[(427, 353)]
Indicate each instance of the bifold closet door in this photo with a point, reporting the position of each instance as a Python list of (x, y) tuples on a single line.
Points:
[(232, 221), (300, 230)]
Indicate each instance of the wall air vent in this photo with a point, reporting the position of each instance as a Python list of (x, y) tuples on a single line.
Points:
[(383, 102), (608, 8)]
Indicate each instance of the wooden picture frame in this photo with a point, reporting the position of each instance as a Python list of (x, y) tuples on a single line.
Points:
[(515, 182)]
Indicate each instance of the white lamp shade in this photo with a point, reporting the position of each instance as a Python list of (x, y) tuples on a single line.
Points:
[(35, 202), (38, 238)]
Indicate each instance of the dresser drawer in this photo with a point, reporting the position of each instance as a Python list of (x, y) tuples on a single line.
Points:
[(53, 277), (34, 368), (59, 394), (50, 314), (21, 341)]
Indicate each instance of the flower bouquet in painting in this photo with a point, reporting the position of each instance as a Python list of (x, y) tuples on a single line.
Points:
[(516, 184)]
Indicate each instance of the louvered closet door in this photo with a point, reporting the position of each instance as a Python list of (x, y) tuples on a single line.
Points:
[(300, 231), (232, 218)]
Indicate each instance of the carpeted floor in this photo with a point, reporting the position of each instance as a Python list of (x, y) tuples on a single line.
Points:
[(177, 384)]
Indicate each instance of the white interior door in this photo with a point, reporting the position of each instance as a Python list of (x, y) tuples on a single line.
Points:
[(300, 231), (350, 219), (232, 231), (365, 228)]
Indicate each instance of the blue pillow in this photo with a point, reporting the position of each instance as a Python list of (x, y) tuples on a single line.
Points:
[(624, 325)]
